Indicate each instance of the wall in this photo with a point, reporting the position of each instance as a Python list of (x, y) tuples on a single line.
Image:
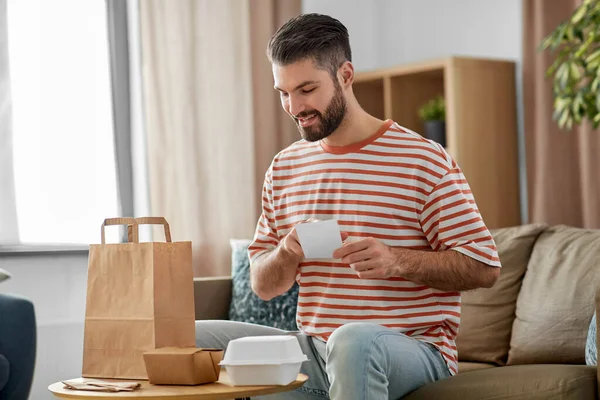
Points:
[(361, 19), (56, 283), (385, 33)]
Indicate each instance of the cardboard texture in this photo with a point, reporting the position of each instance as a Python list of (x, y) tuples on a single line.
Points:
[(140, 296), (183, 366)]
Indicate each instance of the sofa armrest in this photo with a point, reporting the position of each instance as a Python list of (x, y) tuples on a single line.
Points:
[(212, 297), (18, 344)]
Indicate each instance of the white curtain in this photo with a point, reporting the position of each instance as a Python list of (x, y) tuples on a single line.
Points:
[(197, 88), (9, 232), (213, 120)]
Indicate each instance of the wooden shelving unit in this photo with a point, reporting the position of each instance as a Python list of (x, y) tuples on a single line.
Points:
[(481, 121)]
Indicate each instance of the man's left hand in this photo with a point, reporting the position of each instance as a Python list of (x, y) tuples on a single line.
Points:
[(369, 257)]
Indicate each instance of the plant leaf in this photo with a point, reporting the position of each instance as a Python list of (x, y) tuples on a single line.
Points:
[(563, 118), (595, 84), (546, 42), (575, 68), (562, 74), (574, 72), (593, 60), (579, 13)]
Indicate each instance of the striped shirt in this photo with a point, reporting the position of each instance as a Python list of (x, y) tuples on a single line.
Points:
[(395, 186)]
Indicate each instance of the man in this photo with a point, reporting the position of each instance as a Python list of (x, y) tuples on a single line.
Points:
[(379, 319)]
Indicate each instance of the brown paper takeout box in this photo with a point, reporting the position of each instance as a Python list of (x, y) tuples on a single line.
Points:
[(183, 366)]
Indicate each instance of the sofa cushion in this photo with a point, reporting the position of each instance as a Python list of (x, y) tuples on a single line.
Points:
[(468, 366), (556, 301), (212, 297), (487, 315), (517, 382), (246, 306)]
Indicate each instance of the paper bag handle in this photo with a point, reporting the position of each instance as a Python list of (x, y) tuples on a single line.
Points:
[(156, 221), (132, 227)]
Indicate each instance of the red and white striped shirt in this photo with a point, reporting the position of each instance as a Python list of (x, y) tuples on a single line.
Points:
[(397, 187)]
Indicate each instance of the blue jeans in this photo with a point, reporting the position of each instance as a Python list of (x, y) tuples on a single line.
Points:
[(360, 360)]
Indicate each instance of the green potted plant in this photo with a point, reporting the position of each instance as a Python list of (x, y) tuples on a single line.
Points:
[(576, 69), (433, 115)]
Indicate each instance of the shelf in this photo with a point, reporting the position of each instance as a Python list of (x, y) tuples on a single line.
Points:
[(409, 92), (481, 125), (371, 94), (433, 67)]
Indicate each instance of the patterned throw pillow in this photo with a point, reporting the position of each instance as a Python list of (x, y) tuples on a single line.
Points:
[(246, 306), (591, 352)]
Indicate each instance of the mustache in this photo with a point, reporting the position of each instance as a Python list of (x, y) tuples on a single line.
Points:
[(305, 114)]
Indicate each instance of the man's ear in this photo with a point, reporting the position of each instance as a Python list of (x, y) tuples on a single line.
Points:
[(346, 74)]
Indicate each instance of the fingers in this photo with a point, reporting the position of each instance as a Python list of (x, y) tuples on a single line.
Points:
[(351, 247), (362, 255), (344, 235), (292, 240), (364, 265), (375, 273), (371, 269), (291, 244), (306, 221), (296, 249)]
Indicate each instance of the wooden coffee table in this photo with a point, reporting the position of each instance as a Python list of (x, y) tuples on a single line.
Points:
[(221, 389)]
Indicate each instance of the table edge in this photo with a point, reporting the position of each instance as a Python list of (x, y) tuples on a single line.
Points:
[(260, 390)]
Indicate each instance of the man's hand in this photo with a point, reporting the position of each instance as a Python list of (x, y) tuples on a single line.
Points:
[(290, 244), (275, 273), (370, 258), (444, 270)]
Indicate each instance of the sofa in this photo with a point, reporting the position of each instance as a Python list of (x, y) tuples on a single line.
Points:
[(17, 347), (524, 338)]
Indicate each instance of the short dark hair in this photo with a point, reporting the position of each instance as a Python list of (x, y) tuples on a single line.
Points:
[(319, 37)]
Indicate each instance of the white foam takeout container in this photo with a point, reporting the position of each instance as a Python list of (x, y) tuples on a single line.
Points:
[(263, 360)]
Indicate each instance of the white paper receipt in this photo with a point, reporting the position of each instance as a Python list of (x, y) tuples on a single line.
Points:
[(319, 239)]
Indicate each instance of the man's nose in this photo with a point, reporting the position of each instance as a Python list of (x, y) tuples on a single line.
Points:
[(296, 105)]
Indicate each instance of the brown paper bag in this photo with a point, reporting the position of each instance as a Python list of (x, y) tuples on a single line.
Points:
[(140, 296)]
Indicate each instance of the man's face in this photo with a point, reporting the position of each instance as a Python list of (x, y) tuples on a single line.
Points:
[(311, 96)]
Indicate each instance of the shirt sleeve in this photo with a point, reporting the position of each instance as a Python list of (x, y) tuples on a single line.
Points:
[(451, 220), (265, 237)]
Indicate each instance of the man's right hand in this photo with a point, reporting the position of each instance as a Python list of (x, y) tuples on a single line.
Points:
[(275, 273), (290, 244)]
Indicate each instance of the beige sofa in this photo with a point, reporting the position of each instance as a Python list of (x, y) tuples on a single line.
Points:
[(522, 339)]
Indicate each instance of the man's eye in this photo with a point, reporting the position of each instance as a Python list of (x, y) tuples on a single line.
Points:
[(308, 91), (283, 94)]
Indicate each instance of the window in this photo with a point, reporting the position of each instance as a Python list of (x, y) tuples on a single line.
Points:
[(63, 145)]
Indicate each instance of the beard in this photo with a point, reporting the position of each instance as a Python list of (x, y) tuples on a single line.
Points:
[(327, 122)]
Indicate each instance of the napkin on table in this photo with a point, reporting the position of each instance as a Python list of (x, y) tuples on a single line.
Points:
[(100, 386)]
